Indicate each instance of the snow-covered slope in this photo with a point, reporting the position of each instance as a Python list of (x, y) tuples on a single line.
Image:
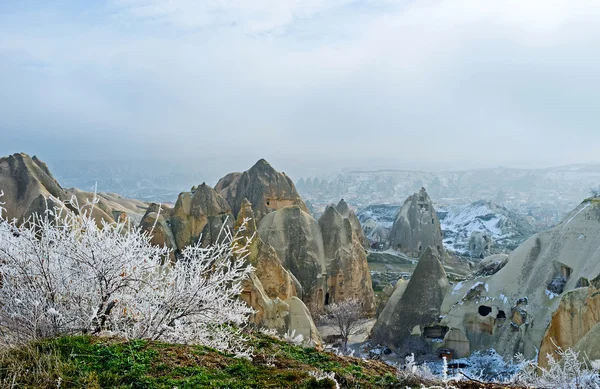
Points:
[(466, 226), (377, 220)]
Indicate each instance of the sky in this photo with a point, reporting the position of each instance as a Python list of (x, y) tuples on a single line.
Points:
[(407, 84)]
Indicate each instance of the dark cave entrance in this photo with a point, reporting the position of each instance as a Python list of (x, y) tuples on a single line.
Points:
[(484, 310)]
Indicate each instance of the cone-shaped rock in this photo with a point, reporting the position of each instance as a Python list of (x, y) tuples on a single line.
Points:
[(276, 280), (263, 186), (419, 305), (271, 289), (343, 208), (347, 269), (296, 237), (26, 181), (417, 227), (202, 212)]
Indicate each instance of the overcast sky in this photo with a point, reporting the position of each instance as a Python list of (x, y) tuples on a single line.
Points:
[(443, 84)]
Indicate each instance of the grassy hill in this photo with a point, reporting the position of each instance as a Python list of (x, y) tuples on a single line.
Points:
[(90, 362)]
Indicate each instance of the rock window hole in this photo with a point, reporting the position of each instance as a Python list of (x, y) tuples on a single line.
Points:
[(501, 315), (484, 310), (326, 298)]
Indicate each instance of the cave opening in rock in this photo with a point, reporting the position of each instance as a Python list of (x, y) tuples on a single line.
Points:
[(583, 282), (566, 271), (501, 315), (435, 332), (484, 310), (326, 298)]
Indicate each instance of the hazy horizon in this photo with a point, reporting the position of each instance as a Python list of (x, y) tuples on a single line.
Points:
[(310, 86)]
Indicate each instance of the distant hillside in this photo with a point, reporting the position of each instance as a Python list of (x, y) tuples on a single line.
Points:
[(506, 228), (547, 194)]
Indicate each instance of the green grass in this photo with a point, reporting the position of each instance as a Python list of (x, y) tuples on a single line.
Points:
[(86, 362)]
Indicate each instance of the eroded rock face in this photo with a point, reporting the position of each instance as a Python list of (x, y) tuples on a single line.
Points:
[(275, 279), (511, 309), (344, 210), (346, 261), (265, 188), (271, 289), (480, 244), (156, 221), (418, 306), (577, 313), (417, 227), (296, 237), (29, 188), (26, 182), (588, 345), (200, 213)]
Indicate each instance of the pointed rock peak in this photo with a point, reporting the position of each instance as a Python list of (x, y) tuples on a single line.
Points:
[(262, 165), (430, 253), (330, 212), (343, 208), (42, 165), (205, 189), (246, 204), (429, 264), (152, 208), (423, 194)]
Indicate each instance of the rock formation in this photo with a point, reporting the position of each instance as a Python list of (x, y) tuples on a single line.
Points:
[(346, 261), (28, 187), (343, 208), (416, 310), (26, 183), (588, 345), (417, 227), (156, 221), (296, 237), (271, 289), (199, 213), (512, 309), (267, 190), (577, 313), (275, 279), (480, 244)]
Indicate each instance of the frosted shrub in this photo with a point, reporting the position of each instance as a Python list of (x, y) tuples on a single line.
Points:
[(489, 366), (320, 376), (63, 274), (411, 370), (291, 338), (568, 373)]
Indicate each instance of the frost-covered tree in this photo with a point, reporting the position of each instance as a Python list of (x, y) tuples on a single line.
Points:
[(61, 273), (345, 317)]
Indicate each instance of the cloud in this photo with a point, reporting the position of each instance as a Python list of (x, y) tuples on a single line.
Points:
[(446, 83)]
